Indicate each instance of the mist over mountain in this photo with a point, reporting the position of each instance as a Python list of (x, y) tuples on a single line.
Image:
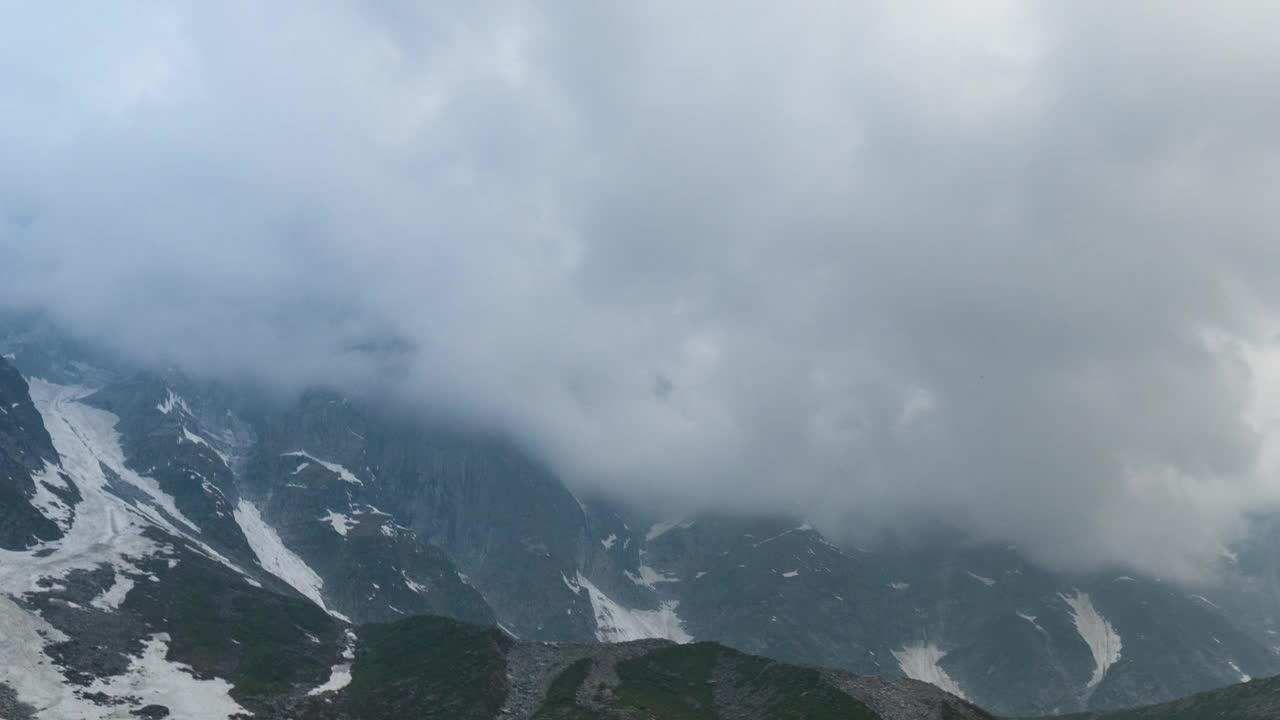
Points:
[(1008, 270)]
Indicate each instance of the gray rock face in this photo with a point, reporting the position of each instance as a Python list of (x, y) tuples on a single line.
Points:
[(510, 528), (25, 451), (905, 699), (191, 461), (979, 620), (773, 587)]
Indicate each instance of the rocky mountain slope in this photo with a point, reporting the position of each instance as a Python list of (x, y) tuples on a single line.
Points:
[(120, 490), (1254, 700), (136, 603), (980, 622)]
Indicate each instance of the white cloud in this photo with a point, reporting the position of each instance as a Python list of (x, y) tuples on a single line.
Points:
[(876, 262)]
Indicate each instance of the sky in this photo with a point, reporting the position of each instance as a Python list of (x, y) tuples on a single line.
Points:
[(1006, 266)]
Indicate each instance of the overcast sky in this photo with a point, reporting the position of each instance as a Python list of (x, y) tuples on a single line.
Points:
[(1012, 266)]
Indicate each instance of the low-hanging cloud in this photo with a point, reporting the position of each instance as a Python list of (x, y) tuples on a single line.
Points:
[(1010, 268)]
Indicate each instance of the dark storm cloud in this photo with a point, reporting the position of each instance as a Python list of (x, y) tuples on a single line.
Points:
[(1011, 267)]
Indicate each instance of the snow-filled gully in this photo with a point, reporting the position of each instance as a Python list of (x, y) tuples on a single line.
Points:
[(103, 530)]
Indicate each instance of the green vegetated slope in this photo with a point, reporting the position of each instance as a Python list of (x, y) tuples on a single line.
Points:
[(698, 681), (1256, 700), (429, 667)]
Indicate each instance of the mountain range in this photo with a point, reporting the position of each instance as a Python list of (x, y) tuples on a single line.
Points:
[(178, 546)]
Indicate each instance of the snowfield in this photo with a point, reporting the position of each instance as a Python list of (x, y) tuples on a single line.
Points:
[(615, 623), (1097, 633), (103, 529), (919, 661), (277, 559), (153, 679)]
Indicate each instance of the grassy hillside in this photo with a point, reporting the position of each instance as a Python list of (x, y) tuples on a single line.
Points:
[(429, 667)]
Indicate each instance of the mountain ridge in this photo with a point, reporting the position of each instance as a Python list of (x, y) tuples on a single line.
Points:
[(371, 518)]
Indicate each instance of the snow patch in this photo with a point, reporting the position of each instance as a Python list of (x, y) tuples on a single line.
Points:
[(334, 468), (920, 662), (171, 402), (26, 668), (791, 574), (984, 580), (339, 677), (276, 558), (85, 436), (197, 440), (1243, 676), (152, 679), (49, 504), (340, 674), (1032, 619), (609, 541), (615, 623), (149, 679), (112, 597), (341, 524), (1206, 601), (416, 587), (899, 585), (771, 538), (657, 530), (1102, 639), (649, 577), (105, 529)]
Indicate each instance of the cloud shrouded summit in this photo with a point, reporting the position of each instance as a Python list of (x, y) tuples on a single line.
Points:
[(1014, 268)]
